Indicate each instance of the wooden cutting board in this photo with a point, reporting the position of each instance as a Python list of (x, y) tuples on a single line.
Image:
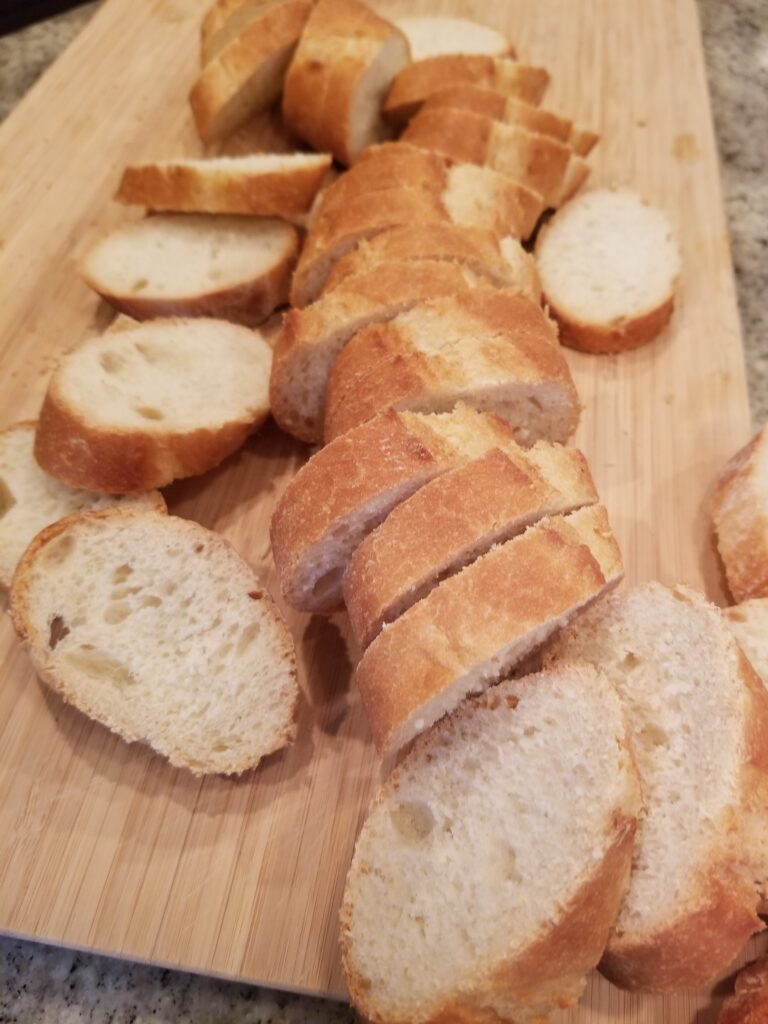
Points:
[(103, 845)]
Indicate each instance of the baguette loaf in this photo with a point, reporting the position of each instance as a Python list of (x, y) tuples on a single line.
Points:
[(427, 661), (434, 37), (749, 624), (740, 516), (347, 488), (453, 520), (466, 899), (609, 267), (749, 1003), (698, 719), (155, 627), (343, 66), (30, 500), (495, 350), (192, 264), (424, 77), (225, 20), (268, 184), (246, 76), (138, 408)]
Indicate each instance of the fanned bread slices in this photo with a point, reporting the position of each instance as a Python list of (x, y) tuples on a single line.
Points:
[(30, 499), (425, 77), (453, 520), (311, 338), (433, 37), (436, 653), (749, 624), (749, 1003), (348, 487), (246, 76), (193, 264), (155, 627), (140, 407), (537, 161), (494, 349), (698, 720), (740, 515), (343, 66), (465, 902), (609, 267), (267, 184), (489, 103), (226, 19)]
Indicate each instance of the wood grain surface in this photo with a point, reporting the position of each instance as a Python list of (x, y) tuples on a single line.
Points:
[(102, 845)]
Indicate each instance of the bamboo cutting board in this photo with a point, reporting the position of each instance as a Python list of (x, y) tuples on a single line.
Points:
[(103, 845)]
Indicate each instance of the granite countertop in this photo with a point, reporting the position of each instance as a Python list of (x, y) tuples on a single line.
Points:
[(39, 985)]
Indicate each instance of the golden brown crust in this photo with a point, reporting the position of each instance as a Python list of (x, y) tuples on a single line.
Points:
[(741, 523), (340, 42), (247, 75), (749, 1004), (489, 103), (186, 188), (622, 337), (226, 19)]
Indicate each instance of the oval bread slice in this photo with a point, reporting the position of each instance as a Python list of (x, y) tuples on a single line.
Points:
[(137, 408), (188, 264), (30, 499), (489, 869), (432, 37), (609, 268), (155, 627)]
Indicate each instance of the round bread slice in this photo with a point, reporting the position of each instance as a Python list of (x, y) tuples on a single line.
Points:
[(609, 266), (157, 628), (30, 499), (140, 407), (698, 720), (488, 872), (431, 37), (193, 264)]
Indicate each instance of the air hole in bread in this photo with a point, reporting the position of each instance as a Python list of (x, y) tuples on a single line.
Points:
[(413, 819), (150, 601), (630, 660), (139, 284), (122, 572), (111, 362), (247, 637), (199, 548), (146, 352), (256, 595), (100, 666), (149, 412), (651, 736), (220, 746), (58, 630), (7, 500), (733, 615), (117, 612), (58, 551), (505, 864)]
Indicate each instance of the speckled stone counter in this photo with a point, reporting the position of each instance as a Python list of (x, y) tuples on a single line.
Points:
[(52, 986)]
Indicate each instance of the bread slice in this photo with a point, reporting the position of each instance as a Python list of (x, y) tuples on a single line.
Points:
[(192, 264), (341, 71), (748, 622), (267, 184), (749, 1003), (30, 500), (698, 719), (348, 487), (489, 103), (609, 267), (246, 76), (492, 861), (311, 338), (138, 408), (453, 520), (434, 37), (740, 517), (474, 627), (537, 161), (495, 350), (155, 627), (424, 77), (225, 20)]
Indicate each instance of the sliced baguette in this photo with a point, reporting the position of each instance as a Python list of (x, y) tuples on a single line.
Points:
[(246, 76), (609, 267), (740, 516), (347, 488), (749, 1003), (343, 66), (155, 627), (488, 103), (495, 350), (138, 408), (748, 622), (225, 20), (434, 37), (424, 77), (311, 338), (490, 866), (698, 719), (537, 161), (193, 264), (453, 520), (30, 499), (474, 627), (267, 184)]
